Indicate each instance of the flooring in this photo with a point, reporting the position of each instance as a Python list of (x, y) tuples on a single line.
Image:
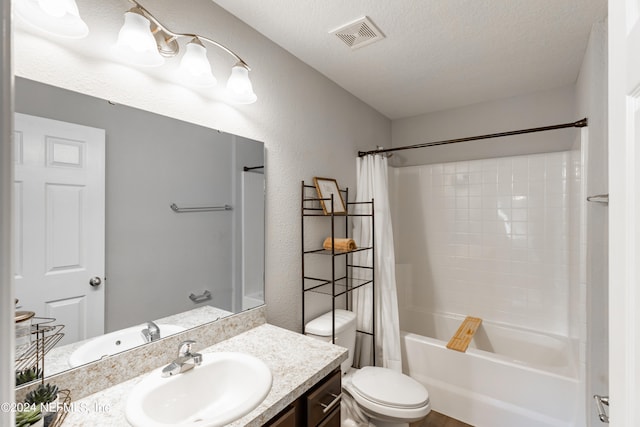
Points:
[(436, 419)]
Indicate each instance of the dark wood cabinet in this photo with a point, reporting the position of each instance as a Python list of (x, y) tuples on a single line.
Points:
[(286, 418), (318, 407), (323, 398), (332, 420)]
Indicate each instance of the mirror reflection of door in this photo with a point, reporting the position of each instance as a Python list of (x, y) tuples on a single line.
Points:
[(59, 225)]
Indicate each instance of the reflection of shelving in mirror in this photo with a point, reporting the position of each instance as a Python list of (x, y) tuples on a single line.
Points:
[(45, 336)]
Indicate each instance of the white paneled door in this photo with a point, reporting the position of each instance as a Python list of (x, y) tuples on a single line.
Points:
[(59, 223), (624, 212)]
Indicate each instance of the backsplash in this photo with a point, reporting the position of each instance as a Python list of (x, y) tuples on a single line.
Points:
[(96, 376), (489, 238)]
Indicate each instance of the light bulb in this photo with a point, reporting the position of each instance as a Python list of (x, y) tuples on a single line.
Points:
[(239, 87), (136, 44), (57, 17), (55, 8), (195, 68)]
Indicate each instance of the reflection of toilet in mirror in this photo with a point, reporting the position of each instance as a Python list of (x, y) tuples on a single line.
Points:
[(371, 395)]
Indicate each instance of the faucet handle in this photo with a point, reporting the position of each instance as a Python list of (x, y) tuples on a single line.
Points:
[(151, 325), (185, 348)]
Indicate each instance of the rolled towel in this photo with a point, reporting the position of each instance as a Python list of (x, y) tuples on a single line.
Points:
[(341, 245)]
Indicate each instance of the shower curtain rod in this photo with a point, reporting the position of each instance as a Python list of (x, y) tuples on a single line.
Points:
[(579, 124)]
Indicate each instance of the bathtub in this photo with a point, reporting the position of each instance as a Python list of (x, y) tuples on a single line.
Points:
[(509, 377)]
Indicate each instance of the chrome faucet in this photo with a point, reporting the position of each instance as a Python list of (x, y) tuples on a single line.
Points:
[(186, 360), (151, 332)]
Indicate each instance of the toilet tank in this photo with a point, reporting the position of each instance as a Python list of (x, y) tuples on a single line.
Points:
[(321, 328)]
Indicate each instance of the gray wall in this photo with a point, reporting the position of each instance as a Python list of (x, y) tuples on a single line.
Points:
[(521, 112), (154, 257), (310, 125)]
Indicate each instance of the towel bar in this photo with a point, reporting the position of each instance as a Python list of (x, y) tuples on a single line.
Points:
[(176, 208), (599, 198), (205, 296)]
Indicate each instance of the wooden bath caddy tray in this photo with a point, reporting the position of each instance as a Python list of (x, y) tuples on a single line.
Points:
[(461, 339)]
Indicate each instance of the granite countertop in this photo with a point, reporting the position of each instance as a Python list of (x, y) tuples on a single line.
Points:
[(297, 363)]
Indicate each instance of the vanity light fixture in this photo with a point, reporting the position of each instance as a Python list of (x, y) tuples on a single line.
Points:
[(57, 17), (136, 44), (195, 68), (144, 41), (239, 86)]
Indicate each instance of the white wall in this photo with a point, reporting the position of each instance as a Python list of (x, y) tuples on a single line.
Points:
[(521, 112), (310, 126), (591, 95), (7, 321), (488, 238)]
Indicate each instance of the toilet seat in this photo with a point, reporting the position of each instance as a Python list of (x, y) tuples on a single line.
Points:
[(389, 388), (388, 395)]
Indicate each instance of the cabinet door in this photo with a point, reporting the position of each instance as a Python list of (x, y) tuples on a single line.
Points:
[(286, 418), (324, 399), (333, 419)]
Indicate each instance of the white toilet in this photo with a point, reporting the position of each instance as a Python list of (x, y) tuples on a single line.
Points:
[(387, 397)]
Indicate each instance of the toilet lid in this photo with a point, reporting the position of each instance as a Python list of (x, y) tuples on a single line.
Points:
[(390, 388)]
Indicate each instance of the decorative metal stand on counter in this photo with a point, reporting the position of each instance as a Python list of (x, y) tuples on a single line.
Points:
[(44, 337), (338, 284), (64, 397)]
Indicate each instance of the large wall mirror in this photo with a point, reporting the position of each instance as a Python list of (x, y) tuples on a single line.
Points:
[(128, 220)]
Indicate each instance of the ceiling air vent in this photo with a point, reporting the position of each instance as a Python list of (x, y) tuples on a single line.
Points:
[(358, 33)]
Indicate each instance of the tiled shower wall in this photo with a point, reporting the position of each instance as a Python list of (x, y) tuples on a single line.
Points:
[(489, 238)]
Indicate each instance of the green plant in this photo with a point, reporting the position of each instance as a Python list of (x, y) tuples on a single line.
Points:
[(27, 375), (28, 416), (45, 393)]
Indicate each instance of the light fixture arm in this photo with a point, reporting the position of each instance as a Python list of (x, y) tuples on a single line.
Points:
[(215, 43), (173, 35)]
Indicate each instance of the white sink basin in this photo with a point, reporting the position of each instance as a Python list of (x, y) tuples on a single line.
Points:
[(115, 342), (225, 387)]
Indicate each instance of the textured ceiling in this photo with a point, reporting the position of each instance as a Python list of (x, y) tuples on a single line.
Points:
[(437, 54)]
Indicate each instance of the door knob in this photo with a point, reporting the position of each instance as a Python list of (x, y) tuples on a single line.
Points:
[(95, 281)]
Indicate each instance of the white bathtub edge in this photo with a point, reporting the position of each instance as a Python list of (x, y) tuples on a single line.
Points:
[(484, 411)]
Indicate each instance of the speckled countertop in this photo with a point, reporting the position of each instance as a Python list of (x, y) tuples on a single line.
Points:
[(297, 363)]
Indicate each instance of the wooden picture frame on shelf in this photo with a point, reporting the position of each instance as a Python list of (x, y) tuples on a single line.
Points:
[(325, 188)]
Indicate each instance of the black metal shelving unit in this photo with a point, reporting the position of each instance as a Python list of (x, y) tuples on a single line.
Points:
[(337, 284)]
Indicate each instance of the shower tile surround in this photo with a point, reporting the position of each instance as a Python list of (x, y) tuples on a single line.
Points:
[(490, 238)]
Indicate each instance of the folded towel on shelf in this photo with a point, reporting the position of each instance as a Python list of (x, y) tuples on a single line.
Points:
[(341, 245)]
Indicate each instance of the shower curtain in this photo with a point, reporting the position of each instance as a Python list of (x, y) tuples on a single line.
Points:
[(372, 183)]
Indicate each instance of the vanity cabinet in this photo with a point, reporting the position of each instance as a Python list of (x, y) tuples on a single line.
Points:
[(287, 418), (318, 407)]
